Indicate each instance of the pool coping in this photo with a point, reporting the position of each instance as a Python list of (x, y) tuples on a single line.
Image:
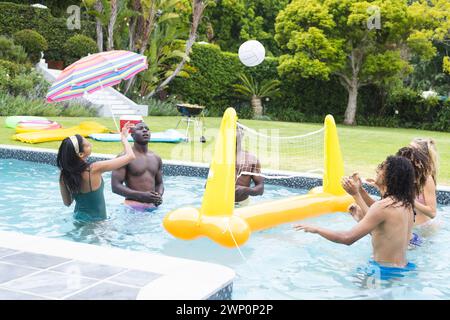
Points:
[(181, 279), (194, 169)]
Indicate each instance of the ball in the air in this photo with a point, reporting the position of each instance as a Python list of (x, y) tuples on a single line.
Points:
[(252, 53)]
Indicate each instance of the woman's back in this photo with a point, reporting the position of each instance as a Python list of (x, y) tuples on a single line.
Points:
[(90, 202)]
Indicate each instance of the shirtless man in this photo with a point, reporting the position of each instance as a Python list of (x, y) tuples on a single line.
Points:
[(140, 182), (389, 220), (246, 162)]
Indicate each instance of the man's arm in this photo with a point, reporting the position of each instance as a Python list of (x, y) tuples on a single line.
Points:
[(118, 187), (373, 218), (258, 189), (117, 184), (159, 185)]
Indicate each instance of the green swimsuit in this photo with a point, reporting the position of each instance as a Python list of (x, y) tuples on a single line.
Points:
[(90, 206)]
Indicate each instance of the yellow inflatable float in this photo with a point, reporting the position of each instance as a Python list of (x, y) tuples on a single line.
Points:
[(85, 129), (217, 218)]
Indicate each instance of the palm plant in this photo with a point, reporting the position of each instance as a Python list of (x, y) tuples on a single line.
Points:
[(163, 54), (250, 89)]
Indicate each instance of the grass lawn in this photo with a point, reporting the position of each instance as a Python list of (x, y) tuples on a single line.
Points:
[(362, 147)]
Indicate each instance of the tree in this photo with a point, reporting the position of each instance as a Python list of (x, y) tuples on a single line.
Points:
[(254, 91), (232, 22), (198, 7), (106, 13), (164, 51), (446, 64), (342, 37)]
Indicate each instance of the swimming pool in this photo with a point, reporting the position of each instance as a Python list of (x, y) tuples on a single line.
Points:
[(275, 264)]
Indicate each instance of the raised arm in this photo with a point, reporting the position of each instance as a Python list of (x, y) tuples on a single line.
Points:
[(159, 185), (371, 220), (65, 193), (429, 193), (119, 162), (352, 187), (366, 197)]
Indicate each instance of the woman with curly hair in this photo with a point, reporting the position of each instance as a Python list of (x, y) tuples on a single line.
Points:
[(389, 220)]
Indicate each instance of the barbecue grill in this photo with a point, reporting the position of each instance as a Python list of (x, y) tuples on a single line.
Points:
[(189, 110), (191, 113)]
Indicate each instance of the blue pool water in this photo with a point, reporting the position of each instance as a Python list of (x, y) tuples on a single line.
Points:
[(275, 264)]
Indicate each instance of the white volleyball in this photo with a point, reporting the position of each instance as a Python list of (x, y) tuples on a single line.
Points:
[(252, 53)]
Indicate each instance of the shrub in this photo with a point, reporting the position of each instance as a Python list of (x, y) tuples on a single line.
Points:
[(16, 17), (162, 108), (442, 122), (31, 85), (11, 106), (4, 79), (33, 43), (11, 67), (10, 51), (78, 47)]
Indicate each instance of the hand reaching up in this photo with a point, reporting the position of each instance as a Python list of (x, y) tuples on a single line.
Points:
[(125, 130)]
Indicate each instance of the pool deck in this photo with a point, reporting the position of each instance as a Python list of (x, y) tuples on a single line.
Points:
[(37, 268)]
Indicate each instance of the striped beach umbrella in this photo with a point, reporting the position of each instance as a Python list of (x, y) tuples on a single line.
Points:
[(95, 72)]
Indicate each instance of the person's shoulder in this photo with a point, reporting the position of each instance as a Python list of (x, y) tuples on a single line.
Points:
[(430, 182), (154, 155), (381, 206)]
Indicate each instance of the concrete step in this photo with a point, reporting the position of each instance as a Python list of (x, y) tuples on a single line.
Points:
[(124, 112)]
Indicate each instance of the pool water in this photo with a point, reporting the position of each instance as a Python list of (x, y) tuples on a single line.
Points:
[(279, 263)]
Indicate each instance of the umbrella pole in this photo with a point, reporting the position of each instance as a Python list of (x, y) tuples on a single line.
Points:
[(114, 118)]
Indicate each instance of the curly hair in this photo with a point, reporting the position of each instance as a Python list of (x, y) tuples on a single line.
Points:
[(421, 165), (399, 180)]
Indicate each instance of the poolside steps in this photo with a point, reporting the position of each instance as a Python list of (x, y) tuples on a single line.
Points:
[(107, 101)]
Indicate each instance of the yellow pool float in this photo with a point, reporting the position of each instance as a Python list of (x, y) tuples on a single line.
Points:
[(217, 218), (84, 129)]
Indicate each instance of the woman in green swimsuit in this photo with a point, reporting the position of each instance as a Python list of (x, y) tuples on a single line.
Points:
[(83, 182)]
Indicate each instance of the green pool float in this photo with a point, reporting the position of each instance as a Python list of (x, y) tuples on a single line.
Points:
[(11, 122)]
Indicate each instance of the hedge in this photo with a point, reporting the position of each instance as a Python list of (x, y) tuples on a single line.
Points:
[(57, 7), (16, 17)]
